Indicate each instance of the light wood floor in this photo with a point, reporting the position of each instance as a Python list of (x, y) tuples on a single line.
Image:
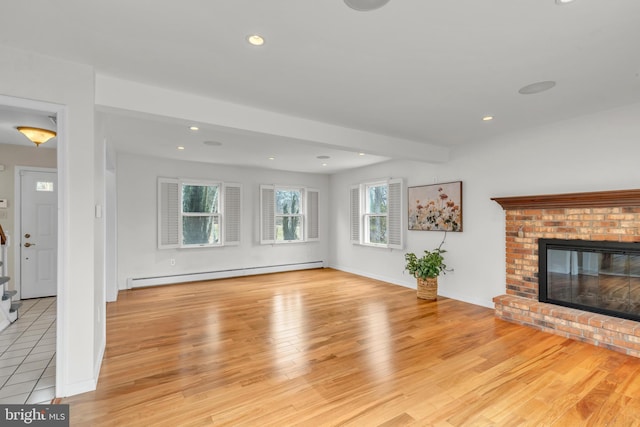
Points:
[(326, 348)]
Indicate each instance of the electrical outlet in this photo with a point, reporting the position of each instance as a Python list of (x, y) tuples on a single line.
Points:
[(172, 261)]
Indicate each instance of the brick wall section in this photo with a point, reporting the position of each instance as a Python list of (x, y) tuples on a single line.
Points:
[(525, 227), (520, 304), (603, 331)]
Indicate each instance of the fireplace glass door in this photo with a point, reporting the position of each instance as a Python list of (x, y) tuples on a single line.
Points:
[(603, 280)]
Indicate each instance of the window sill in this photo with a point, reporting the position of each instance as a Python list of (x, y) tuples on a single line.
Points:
[(289, 242), (373, 245)]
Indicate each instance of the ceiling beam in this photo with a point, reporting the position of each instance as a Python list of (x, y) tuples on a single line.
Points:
[(112, 93)]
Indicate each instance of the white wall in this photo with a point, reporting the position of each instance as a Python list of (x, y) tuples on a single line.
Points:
[(593, 153), (111, 245), (99, 235), (138, 256), (71, 87)]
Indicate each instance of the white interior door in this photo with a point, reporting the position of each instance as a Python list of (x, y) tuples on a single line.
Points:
[(39, 230)]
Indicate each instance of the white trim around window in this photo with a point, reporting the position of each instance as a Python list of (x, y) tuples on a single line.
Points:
[(212, 223), (288, 214), (375, 214)]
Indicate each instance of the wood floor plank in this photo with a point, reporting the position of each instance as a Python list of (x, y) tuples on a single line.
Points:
[(328, 348)]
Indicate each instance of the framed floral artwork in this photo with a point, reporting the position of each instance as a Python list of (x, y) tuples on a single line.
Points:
[(436, 207)]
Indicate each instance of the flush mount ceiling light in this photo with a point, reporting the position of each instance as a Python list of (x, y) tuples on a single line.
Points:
[(536, 87), (365, 5), (36, 135), (255, 40)]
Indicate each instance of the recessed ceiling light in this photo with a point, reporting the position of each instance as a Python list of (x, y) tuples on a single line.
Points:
[(194, 128), (272, 158), (323, 157), (360, 154), (324, 164), (180, 147), (255, 40), (487, 118), (365, 5), (561, 2), (212, 143), (536, 87)]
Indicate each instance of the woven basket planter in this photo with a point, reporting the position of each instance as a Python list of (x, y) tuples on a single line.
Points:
[(428, 288)]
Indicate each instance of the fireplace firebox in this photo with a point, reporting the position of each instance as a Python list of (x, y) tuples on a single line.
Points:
[(598, 276)]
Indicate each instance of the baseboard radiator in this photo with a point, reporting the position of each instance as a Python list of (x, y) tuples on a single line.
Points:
[(219, 274)]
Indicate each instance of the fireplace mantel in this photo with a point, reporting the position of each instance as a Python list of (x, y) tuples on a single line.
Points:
[(621, 198)]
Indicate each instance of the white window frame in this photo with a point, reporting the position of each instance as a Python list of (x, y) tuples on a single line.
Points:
[(309, 215), (170, 214), (300, 215), (359, 213), (217, 215), (367, 214)]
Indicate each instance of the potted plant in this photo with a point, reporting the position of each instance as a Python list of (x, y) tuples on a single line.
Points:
[(426, 270)]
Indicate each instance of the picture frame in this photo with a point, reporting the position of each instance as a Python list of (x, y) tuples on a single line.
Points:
[(435, 207)]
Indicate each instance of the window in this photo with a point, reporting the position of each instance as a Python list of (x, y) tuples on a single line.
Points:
[(376, 214), (289, 219), (44, 186), (288, 214), (200, 214), (197, 214)]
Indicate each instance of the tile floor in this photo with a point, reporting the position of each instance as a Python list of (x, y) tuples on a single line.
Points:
[(27, 354)]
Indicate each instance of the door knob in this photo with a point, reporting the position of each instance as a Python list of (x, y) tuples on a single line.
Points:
[(26, 245)]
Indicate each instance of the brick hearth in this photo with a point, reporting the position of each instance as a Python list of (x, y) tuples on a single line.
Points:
[(606, 216)]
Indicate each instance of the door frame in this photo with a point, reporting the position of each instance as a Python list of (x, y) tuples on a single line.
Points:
[(62, 329), (17, 223)]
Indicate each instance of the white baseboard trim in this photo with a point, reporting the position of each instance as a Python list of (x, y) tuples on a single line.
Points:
[(466, 299), (77, 388), (97, 365), (410, 283), (413, 285), (219, 274)]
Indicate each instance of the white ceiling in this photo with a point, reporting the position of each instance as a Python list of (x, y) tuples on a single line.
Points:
[(424, 71)]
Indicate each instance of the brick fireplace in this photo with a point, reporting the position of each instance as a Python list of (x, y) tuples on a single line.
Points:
[(601, 216)]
